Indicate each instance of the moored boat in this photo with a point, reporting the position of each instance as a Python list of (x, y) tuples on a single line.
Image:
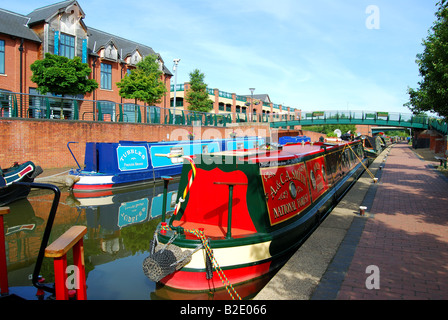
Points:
[(248, 210), (373, 146), (293, 139), (130, 163), (23, 172)]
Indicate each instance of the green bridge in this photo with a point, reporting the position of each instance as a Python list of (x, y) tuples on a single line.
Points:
[(389, 119)]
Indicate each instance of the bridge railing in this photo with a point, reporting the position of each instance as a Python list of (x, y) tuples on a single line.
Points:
[(365, 117), (361, 115)]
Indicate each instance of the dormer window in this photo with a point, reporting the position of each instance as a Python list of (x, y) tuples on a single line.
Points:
[(134, 58), (67, 46), (110, 52)]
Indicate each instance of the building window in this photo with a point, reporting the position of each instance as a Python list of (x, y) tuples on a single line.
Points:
[(130, 112), (2, 57), (106, 110), (106, 76), (67, 46)]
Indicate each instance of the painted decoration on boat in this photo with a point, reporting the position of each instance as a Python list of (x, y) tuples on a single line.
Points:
[(286, 190), (168, 155), (317, 175), (132, 158), (133, 212)]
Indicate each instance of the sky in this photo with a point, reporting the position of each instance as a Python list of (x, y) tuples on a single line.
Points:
[(310, 55)]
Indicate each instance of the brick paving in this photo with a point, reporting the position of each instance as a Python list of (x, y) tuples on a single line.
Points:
[(406, 235)]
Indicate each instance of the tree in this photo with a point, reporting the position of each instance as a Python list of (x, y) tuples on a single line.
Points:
[(432, 94), (61, 75), (197, 96), (144, 83)]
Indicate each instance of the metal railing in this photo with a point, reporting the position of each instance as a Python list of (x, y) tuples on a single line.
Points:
[(366, 117), (16, 105), (50, 107)]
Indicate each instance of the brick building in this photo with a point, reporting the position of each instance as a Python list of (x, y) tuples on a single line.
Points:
[(60, 29)]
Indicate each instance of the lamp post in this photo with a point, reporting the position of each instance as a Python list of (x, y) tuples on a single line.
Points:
[(251, 103), (176, 62)]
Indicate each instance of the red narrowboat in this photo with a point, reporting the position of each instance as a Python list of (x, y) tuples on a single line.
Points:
[(242, 213)]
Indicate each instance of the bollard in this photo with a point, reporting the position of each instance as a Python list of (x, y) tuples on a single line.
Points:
[(362, 210)]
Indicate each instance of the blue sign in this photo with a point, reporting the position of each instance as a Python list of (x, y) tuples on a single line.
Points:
[(84, 50), (56, 43), (132, 158), (133, 212)]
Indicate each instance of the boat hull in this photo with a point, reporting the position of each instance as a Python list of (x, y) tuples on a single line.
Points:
[(25, 172)]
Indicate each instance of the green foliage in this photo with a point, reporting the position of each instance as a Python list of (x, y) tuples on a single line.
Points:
[(432, 94), (144, 83), (197, 96), (61, 75)]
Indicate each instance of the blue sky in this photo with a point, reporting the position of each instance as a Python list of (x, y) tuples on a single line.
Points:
[(312, 55)]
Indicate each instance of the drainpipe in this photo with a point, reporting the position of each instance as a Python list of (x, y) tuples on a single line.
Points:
[(94, 91), (21, 76)]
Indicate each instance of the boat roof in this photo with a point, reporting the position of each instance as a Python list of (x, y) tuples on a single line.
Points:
[(286, 152)]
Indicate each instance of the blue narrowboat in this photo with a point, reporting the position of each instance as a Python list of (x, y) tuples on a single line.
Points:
[(113, 165)]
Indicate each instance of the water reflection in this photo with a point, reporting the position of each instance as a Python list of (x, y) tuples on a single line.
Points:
[(120, 225)]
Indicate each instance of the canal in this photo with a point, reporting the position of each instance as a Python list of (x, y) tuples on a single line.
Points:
[(120, 226)]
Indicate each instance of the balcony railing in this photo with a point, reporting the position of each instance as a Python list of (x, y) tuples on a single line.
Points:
[(15, 105)]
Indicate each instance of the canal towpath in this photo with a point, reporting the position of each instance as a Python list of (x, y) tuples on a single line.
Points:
[(397, 251)]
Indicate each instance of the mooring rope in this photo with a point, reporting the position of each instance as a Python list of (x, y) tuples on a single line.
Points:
[(368, 171), (225, 281)]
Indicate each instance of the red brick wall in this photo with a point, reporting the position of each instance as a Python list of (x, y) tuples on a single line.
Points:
[(11, 79), (45, 141)]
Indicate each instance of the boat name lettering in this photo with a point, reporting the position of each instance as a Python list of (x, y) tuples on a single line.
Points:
[(132, 158), (132, 151), (298, 174), (287, 191)]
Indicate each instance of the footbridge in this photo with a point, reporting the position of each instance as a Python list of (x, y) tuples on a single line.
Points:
[(377, 118)]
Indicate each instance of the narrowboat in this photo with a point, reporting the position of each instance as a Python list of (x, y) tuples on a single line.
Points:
[(18, 172), (373, 146), (130, 163), (293, 139), (240, 214)]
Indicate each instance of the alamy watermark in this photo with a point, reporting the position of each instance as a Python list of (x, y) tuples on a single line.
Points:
[(373, 280), (373, 20), (72, 281)]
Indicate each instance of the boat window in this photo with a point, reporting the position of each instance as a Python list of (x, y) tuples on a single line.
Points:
[(176, 151), (324, 174), (313, 180)]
